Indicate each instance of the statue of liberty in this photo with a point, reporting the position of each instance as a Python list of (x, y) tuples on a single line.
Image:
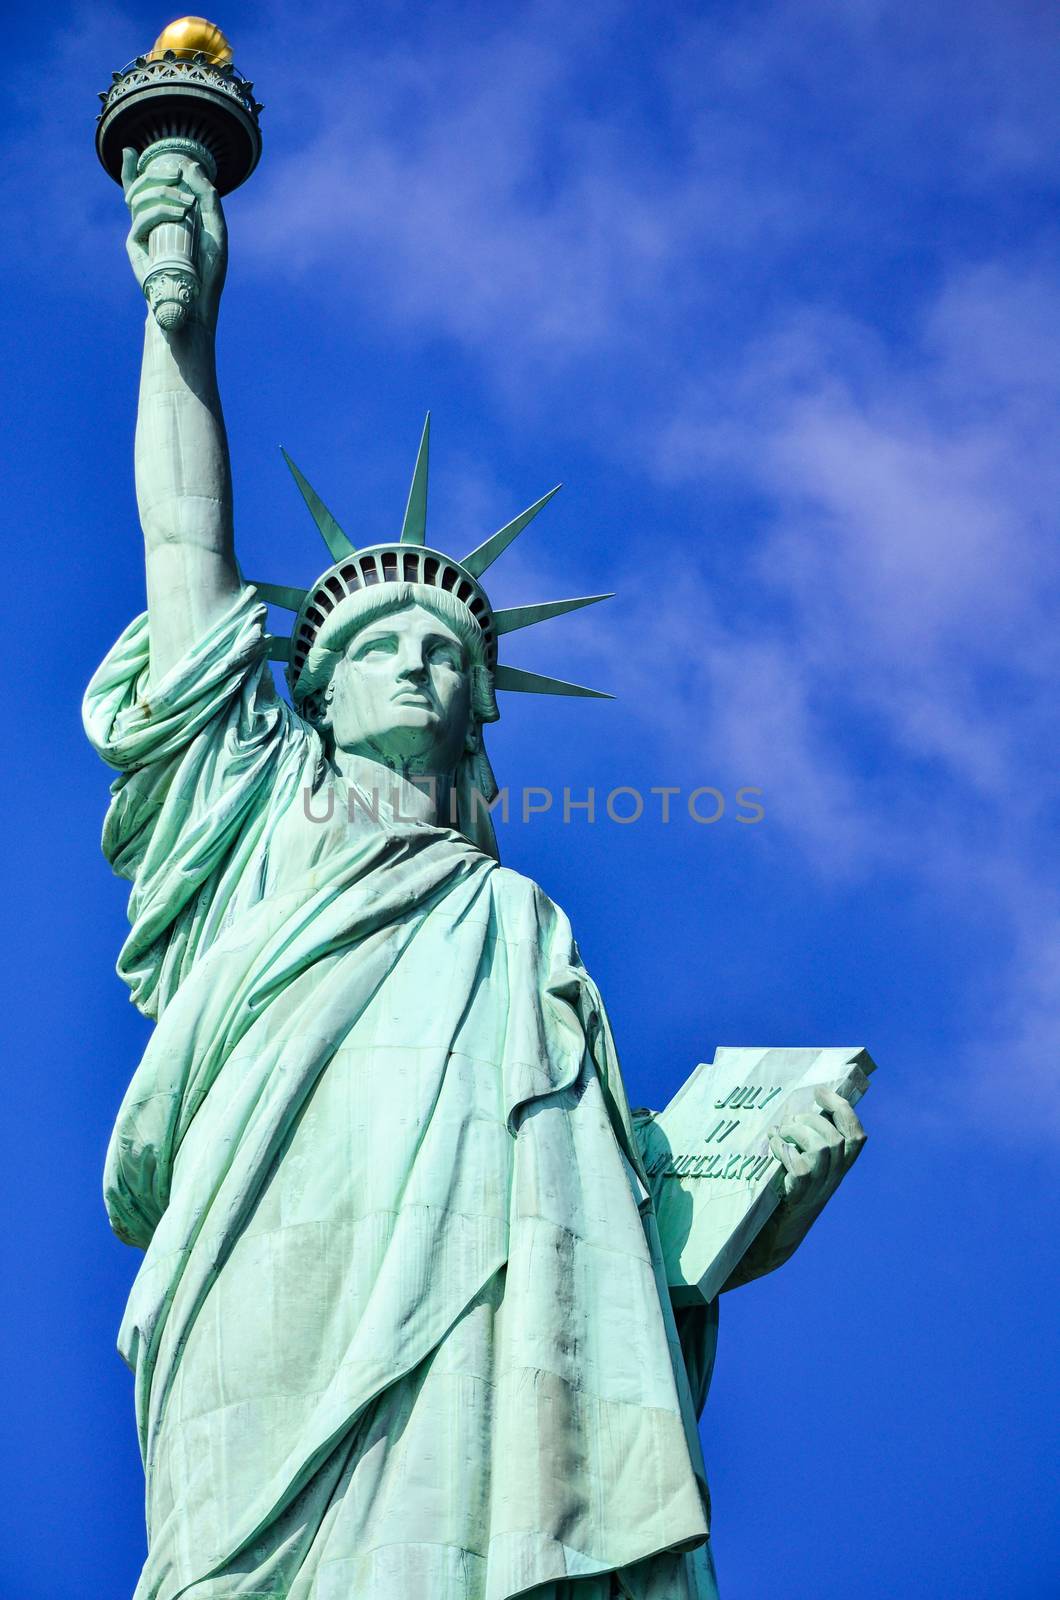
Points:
[(402, 1326)]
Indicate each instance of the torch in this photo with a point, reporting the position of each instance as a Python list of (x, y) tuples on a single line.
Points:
[(183, 98)]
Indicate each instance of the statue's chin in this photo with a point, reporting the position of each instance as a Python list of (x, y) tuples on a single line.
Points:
[(413, 736), (403, 749)]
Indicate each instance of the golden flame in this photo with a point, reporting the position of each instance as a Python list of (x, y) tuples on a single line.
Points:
[(190, 36)]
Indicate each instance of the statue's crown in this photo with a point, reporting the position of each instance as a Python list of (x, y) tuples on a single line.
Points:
[(411, 560)]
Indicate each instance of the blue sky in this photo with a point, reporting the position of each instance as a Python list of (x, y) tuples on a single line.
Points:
[(773, 288)]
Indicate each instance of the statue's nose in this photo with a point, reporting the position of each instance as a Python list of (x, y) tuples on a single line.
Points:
[(414, 667)]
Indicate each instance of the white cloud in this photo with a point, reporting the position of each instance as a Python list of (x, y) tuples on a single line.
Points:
[(912, 545), (461, 201)]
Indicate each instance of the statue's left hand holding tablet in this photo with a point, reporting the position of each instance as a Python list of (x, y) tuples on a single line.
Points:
[(816, 1150)]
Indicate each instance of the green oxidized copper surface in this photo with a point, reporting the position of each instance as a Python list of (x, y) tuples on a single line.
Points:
[(423, 1310)]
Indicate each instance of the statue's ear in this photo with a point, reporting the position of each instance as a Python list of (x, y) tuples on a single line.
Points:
[(316, 708), (483, 696)]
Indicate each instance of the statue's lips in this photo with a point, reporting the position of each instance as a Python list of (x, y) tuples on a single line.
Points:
[(413, 698)]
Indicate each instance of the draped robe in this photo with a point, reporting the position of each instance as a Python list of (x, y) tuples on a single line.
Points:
[(401, 1326)]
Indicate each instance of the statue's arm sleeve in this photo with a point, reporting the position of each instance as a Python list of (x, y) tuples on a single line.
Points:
[(199, 752), (695, 1327)]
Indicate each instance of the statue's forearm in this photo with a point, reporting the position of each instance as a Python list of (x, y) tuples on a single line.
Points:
[(183, 483), (777, 1242), (184, 490), (775, 1245)]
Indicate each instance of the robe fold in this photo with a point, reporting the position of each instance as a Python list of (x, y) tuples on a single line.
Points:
[(401, 1326)]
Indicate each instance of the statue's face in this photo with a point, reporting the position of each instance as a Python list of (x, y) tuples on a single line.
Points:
[(402, 693)]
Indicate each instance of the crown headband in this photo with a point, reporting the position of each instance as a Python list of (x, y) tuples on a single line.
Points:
[(411, 560)]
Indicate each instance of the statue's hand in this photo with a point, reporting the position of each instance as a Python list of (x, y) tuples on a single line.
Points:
[(816, 1149), (171, 192)]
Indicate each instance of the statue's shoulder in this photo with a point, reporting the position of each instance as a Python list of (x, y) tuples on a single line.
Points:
[(523, 905), (515, 888)]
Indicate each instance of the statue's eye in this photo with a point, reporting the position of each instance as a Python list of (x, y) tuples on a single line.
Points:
[(385, 645), (448, 654)]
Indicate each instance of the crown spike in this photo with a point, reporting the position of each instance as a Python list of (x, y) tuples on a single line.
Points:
[(514, 617), (533, 683), (280, 650), (414, 527), (486, 554), (333, 536), (280, 594)]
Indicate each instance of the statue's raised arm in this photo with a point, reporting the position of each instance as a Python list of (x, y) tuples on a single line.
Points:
[(183, 476)]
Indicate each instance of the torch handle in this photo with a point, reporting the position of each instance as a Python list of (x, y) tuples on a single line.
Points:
[(172, 284)]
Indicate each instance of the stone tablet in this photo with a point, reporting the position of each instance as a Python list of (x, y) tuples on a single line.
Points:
[(713, 1178)]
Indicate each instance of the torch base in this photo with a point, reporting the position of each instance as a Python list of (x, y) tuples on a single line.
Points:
[(175, 99)]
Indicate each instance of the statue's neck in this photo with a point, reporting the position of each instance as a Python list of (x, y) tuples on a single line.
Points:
[(399, 794)]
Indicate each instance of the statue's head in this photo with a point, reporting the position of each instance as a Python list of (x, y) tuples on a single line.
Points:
[(400, 673), (394, 649)]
